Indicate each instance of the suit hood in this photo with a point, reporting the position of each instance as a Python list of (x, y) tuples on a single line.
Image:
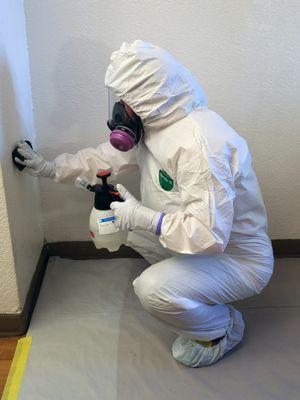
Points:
[(158, 88)]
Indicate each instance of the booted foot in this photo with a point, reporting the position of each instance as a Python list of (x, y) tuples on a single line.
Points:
[(193, 353)]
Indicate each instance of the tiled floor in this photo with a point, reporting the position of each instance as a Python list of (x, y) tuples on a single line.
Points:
[(92, 340)]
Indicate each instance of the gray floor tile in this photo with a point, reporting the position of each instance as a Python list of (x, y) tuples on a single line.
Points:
[(92, 340), (265, 366), (76, 287)]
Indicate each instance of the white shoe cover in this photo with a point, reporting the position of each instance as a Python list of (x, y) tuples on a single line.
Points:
[(192, 354)]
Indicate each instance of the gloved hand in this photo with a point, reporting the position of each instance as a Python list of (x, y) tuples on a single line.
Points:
[(131, 215), (34, 162)]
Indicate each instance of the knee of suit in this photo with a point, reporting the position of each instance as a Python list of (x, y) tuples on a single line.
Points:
[(144, 288), (160, 298), (259, 278)]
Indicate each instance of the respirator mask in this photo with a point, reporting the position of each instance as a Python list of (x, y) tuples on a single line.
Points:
[(126, 129)]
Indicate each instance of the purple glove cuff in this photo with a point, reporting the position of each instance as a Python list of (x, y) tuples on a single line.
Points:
[(159, 224)]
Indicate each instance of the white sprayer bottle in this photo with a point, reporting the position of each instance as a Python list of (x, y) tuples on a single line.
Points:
[(103, 230)]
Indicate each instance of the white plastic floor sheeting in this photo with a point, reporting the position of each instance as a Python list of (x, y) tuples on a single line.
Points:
[(91, 340)]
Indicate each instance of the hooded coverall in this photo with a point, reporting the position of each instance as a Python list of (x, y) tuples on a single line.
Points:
[(213, 248)]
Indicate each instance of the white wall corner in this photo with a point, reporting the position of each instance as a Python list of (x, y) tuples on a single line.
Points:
[(23, 238)]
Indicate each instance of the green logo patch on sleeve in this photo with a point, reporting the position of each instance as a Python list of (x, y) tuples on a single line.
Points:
[(165, 181)]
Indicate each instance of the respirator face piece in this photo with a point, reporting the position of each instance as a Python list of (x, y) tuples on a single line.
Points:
[(126, 130)]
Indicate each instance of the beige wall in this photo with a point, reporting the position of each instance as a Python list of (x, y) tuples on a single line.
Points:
[(9, 297), (245, 54), (21, 237)]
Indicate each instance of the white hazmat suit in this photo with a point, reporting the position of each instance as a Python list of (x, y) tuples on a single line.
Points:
[(213, 248)]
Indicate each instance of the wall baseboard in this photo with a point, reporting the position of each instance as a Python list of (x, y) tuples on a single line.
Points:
[(17, 324), (282, 248), (87, 251), (286, 248)]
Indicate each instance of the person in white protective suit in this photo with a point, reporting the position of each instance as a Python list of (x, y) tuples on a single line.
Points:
[(201, 222)]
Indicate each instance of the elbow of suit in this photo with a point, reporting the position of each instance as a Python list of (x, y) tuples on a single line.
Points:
[(220, 244), (219, 247), (215, 247)]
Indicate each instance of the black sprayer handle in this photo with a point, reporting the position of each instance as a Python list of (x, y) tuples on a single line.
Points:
[(103, 175)]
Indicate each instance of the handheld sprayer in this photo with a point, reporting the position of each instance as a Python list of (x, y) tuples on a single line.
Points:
[(102, 227)]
